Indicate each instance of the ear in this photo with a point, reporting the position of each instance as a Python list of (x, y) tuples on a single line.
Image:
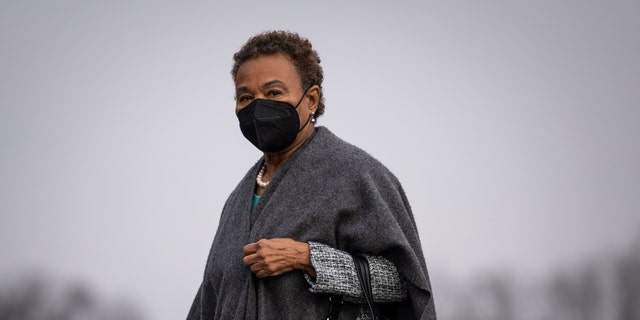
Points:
[(313, 98)]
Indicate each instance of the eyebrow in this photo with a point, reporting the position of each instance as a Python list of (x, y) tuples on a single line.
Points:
[(266, 85), (272, 82)]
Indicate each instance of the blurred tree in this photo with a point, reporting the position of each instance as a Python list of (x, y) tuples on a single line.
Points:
[(628, 284), (607, 288), (37, 298), (577, 294), (491, 298)]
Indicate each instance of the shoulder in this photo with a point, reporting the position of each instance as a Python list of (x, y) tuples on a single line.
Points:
[(331, 153), (332, 148)]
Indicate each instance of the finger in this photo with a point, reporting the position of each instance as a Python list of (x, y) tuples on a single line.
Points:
[(263, 270), (261, 274), (248, 260), (250, 248), (260, 271), (255, 268)]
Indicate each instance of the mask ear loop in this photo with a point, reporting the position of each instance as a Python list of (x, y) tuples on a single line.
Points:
[(311, 118)]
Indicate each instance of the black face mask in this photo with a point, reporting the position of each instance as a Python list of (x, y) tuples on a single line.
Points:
[(270, 125)]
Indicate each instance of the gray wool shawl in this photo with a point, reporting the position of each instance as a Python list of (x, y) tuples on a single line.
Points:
[(328, 191)]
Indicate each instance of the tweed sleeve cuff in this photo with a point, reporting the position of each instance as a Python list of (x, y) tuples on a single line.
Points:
[(336, 274)]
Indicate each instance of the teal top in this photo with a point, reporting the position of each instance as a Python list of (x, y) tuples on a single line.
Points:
[(255, 201)]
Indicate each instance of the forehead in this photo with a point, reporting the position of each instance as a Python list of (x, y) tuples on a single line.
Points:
[(262, 69)]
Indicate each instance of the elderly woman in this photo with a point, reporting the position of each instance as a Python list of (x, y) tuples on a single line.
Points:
[(284, 244)]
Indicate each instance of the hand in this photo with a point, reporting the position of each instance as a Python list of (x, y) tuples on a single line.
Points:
[(273, 257)]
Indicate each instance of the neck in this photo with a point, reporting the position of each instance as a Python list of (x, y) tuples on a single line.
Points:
[(275, 160)]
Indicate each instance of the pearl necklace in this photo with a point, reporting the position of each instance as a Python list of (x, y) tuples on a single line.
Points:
[(259, 177)]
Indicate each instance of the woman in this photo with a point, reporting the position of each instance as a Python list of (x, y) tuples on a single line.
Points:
[(283, 244)]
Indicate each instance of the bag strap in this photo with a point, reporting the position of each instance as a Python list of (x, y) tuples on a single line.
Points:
[(362, 269), (335, 304)]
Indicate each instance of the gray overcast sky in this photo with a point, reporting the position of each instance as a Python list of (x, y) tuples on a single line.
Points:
[(512, 125)]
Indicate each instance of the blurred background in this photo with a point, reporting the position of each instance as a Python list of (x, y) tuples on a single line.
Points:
[(513, 126)]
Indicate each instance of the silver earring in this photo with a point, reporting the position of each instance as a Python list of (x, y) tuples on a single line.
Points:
[(313, 117)]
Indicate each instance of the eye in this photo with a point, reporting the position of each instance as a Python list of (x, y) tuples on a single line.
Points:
[(244, 98), (274, 93)]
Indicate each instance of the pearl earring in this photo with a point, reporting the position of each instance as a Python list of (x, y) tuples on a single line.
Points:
[(313, 117)]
